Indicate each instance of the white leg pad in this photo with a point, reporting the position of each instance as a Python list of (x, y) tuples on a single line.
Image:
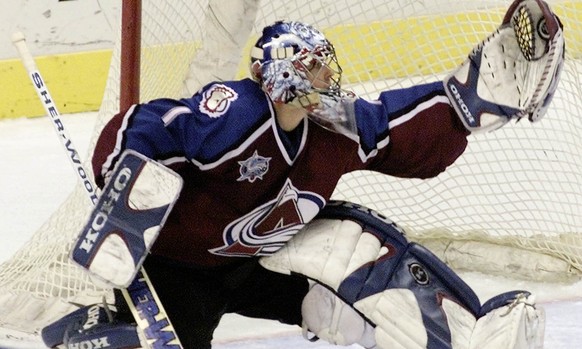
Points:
[(374, 288), (332, 320), (519, 325), (398, 319)]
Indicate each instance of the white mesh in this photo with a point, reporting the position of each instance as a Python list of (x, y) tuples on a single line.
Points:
[(520, 187)]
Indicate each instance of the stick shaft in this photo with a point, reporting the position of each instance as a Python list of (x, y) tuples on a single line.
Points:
[(52, 111)]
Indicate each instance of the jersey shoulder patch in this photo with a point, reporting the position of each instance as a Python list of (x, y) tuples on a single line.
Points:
[(216, 100)]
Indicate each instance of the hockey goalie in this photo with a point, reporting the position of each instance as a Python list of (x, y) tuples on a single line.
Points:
[(253, 230)]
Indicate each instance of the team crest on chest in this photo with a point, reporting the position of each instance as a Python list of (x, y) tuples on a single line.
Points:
[(265, 229), (216, 100), (254, 167)]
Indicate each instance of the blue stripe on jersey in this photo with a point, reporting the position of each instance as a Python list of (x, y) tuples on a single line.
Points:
[(402, 101)]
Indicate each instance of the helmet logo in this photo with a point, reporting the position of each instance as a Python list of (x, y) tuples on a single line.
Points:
[(216, 100)]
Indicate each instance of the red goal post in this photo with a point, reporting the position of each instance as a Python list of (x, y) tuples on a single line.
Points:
[(513, 198)]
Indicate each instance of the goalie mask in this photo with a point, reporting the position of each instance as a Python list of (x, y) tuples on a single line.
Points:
[(296, 64)]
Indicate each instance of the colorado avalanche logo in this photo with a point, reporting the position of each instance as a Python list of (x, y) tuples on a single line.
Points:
[(268, 227), (254, 167), (216, 100)]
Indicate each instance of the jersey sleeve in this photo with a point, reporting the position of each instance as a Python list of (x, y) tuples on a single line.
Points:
[(414, 131), (170, 131), (141, 128)]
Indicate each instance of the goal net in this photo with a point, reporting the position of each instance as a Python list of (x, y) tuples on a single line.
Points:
[(512, 203)]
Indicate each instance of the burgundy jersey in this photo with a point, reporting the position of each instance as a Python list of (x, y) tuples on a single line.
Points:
[(249, 186)]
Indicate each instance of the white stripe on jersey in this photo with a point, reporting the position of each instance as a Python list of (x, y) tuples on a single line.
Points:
[(173, 160), (174, 113), (420, 107)]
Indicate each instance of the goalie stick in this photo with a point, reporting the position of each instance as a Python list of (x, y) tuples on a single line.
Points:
[(140, 295), (49, 106)]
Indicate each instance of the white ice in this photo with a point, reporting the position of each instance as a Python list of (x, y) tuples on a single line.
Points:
[(36, 177)]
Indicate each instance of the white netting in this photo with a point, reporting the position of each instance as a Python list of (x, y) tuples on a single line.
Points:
[(518, 187)]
